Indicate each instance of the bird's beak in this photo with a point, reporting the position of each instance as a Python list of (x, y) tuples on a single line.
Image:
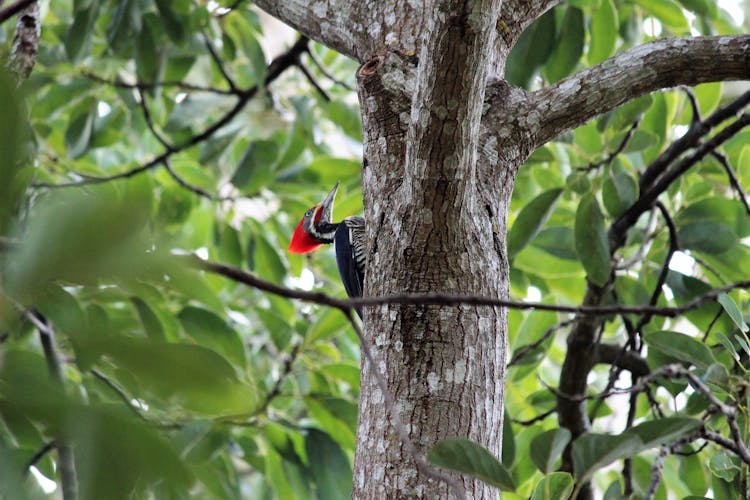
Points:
[(326, 207)]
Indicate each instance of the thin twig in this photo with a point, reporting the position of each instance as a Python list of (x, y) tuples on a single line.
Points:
[(313, 82), (536, 419), (322, 68), (39, 454), (674, 245), (645, 247), (656, 468), (519, 354), (450, 299), (276, 389), (611, 156), (696, 117), (150, 123), (733, 180), (128, 402), (152, 85), (192, 187), (219, 63)]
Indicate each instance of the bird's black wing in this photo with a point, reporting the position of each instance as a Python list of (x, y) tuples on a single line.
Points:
[(350, 256)]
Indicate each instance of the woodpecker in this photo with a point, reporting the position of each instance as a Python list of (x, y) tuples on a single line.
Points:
[(348, 238)]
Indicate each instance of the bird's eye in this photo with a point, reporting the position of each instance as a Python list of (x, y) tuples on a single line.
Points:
[(308, 213)]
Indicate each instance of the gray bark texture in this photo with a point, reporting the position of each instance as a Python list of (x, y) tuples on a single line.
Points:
[(444, 136)]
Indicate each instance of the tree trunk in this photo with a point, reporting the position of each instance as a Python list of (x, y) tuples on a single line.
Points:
[(440, 231)]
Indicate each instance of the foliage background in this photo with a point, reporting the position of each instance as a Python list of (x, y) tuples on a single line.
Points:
[(153, 129)]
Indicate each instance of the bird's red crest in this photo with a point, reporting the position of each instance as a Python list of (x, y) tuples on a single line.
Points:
[(302, 242)]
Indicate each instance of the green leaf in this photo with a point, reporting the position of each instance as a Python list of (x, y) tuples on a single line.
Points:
[(70, 236), (720, 210), (330, 322), (547, 448), (730, 307), (539, 263), (743, 343), (144, 458), (329, 170), (663, 431), (682, 347), (467, 457), (706, 236), (728, 345), (568, 47), (173, 25), (77, 38), (333, 424), (509, 440), (530, 221), (151, 324), (329, 465), (701, 7), (345, 116), (693, 471), (668, 12), (532, 50), (723, 465), (591, 241), (254, 51), (345, 372), (126, 19), (146, 55), (558, 485), (196, 378), (593, 451), (624, 116), (256, 165), (708, 96), (210, 330), (641, 140), (558, 241), (578, 182), (604, 25), (175, 205), (268, 262), (619, 191), (79, 131)]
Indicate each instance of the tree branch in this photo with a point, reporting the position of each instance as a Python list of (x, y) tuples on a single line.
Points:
[(326, 22), (649, 195), (627, 360), (13, 9), (646, 68)]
